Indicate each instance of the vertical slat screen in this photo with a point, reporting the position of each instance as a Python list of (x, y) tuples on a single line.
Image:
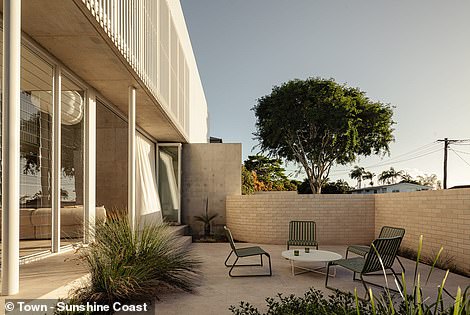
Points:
[(145, 34)]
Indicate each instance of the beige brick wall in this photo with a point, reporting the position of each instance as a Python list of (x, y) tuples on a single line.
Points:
[(442, 217), (264, 218)]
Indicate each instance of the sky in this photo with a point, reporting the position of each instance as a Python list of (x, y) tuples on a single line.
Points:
[(414, 55)]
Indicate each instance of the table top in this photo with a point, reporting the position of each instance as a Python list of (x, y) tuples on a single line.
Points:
[(313, 255)]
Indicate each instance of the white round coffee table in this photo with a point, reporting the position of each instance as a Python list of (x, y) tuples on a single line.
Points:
[(311, 257)]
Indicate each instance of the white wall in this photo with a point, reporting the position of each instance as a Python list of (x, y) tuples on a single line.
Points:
[(198, 115)]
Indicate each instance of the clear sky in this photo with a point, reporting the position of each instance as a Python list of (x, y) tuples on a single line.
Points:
[(414, 55)]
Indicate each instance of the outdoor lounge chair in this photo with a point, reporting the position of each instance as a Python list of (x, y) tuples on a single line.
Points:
[(302, 233), (245, 252), (385, 250), (386, 231)]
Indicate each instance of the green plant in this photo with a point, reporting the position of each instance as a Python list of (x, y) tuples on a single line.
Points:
[(313, 302), (317, 123), (248, 183), (206, 219), (128, 265), (411, 303)]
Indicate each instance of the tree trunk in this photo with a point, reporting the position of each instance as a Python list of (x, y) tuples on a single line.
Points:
[(315, 186)]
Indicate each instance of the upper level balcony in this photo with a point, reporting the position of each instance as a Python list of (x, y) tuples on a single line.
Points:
[(112, 44)]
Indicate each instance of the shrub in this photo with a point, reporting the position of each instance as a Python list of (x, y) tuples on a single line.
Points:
[(129, 265), (314, 302)]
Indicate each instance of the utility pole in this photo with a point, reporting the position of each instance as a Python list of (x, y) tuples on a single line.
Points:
[(446, 148)]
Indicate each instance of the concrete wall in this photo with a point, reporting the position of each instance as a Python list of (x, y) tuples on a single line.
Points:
[(441, 216), (264, 218), (209, 170), (111, 160)]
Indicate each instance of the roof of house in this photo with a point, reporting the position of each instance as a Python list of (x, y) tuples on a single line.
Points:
[(390, 185)]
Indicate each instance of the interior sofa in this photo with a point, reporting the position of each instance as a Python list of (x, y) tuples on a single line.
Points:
[(35, 224)]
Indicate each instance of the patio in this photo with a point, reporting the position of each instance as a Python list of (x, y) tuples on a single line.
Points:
[(217, 291)]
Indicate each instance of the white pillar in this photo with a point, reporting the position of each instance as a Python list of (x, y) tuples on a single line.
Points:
[(90, 167), (56, 156), (131, 158), (11, 146)]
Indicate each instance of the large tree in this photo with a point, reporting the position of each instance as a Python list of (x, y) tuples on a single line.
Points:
[(317, 122)]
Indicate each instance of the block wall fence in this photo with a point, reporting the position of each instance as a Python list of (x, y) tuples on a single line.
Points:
[(442, 217), (264, 218)]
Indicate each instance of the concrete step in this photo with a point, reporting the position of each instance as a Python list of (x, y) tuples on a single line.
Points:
[(186, 241), (179, 229)]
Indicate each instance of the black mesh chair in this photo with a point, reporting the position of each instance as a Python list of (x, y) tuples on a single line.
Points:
[(385, 232), (378, 259), (245, 252)]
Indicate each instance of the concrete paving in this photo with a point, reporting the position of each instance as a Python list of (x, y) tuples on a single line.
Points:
[(217, 291), (53, 277)]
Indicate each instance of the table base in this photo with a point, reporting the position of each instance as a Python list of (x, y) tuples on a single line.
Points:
[(315, 269)]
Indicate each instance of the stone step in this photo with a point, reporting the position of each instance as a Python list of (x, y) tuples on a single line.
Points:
[(186, 241), (179, 229)]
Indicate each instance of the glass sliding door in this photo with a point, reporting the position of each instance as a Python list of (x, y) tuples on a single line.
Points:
[(35, 153), (169, 178), (72, 163)]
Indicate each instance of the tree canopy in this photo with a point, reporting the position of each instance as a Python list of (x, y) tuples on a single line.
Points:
[(261, 173), (317, 122)]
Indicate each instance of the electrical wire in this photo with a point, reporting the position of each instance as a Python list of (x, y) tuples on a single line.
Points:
[(390, 163), (460, 151), (460, 157)]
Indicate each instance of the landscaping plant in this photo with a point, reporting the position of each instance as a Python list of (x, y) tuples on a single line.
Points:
[(206, 219), (410, 300), (132, 265)]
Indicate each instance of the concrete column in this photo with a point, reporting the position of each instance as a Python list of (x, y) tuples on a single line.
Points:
[(90, 167), (11, 100), (56, 156), (131, 158)]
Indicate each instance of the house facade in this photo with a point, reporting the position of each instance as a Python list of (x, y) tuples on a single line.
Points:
[(392, 188), (98, 98)]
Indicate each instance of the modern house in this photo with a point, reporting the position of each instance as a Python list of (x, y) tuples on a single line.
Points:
[(98, 98), (392, 188)]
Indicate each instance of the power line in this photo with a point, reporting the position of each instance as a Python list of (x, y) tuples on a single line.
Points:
[(460, 151), (415, 153), (460, 157), (390, 163)]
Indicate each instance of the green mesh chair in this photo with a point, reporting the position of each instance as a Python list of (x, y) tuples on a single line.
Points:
[(302, 233), (385, 253), (245, 252), (385, 232)]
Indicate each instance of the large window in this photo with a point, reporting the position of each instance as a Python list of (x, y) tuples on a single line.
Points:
[(36, 147), (169, 181), (72, 167), (35, 152)]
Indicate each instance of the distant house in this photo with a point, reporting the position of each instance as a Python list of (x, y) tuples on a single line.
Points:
[(392, 188)]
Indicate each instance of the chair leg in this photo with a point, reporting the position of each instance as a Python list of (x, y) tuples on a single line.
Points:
[(230, 271), (347, 251), (397, 279), (401, 264), (248, 265), (365, 286), (327, 274), (269, 260), (231, 252)]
